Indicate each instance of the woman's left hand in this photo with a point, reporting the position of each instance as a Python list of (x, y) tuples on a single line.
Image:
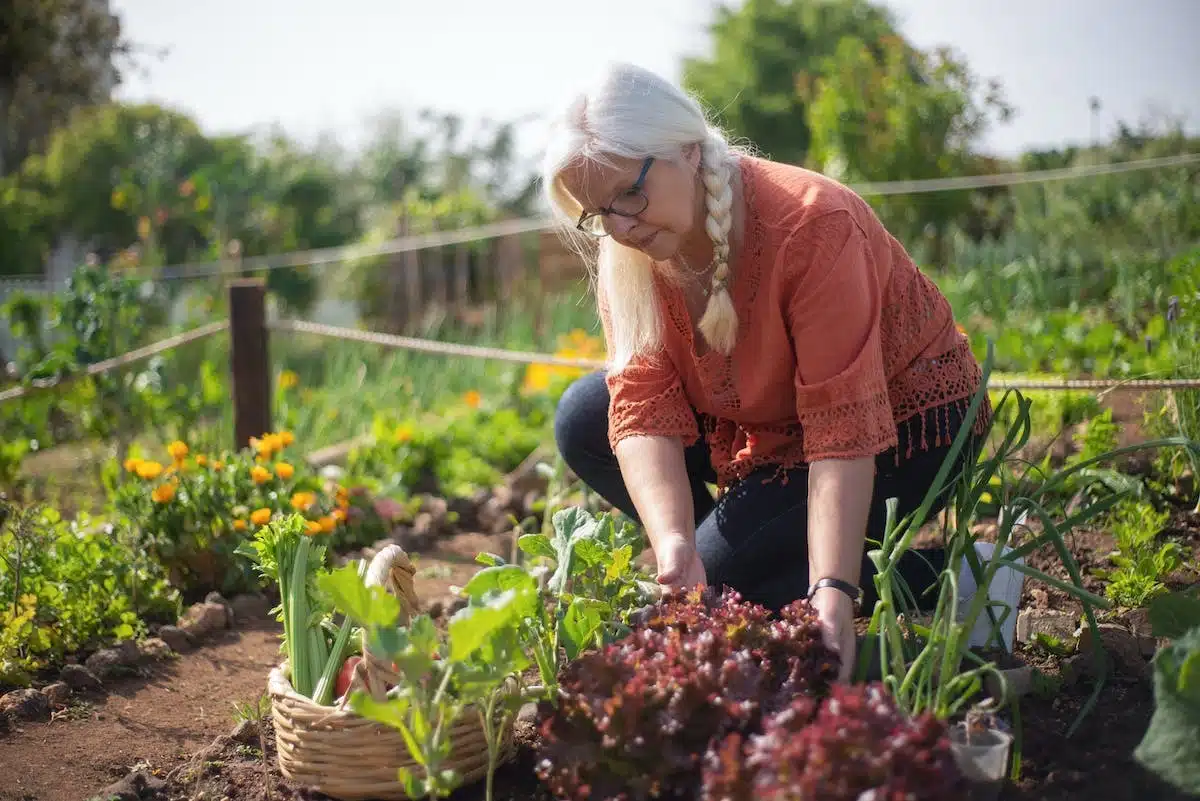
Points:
[(836, 613)]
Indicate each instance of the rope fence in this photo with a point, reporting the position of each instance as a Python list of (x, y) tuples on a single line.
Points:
[(527, 357), (108, 365)]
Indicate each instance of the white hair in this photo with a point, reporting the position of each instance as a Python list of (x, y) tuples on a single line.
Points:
[(630, 112)]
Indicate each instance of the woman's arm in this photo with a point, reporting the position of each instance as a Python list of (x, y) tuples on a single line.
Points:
[(656, 476), (839, 499)]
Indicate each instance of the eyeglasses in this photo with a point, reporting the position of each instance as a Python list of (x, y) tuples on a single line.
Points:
[(630, 203)]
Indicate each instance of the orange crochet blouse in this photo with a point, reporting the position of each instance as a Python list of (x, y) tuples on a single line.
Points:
[(841, 340)]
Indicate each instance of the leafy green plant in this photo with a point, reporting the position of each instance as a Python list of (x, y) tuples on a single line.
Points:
[(1140, 563), (1171, 745)]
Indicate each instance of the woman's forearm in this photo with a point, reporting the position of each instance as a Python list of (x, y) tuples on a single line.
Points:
[(656, 477), (839, 500)]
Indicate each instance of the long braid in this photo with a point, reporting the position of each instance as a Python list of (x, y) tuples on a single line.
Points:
[(719, 323)]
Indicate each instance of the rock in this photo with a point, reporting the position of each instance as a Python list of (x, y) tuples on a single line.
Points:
[(250, 606), (437, 508), (109, 662), (424, 531), (77, 677), (436, 610), (155, 649), (137, 786), (1139, 625), (1120, 645), (204, 619), (176, 639), (1060, 625), (1019, 681), (215, 597), (25, 704), (57, 693), (465, 511), (246, 732)]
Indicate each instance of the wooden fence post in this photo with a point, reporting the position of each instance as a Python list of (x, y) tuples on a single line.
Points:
[(249, 362)]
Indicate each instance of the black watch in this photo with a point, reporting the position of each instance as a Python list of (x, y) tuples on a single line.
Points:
[(854, 592)]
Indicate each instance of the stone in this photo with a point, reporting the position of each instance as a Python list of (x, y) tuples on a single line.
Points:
[(246, 732), (176, 639), (1049, 622), (424, 531), (437, 508), (1139, 625), (1019, 682), (215, 597), (155, 649), (1121, 647), (119, 660), (250, 606), (25, 704), (57, 693), (203, 619), (137, 786), (77, 677)]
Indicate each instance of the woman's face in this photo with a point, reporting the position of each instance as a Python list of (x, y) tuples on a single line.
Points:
[(670, 214)]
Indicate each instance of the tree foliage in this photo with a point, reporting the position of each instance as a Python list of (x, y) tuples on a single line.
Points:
[(55, 56)]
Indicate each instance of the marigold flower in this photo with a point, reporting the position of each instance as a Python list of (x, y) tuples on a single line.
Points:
[(338, 515), (218, 465), (472, 398), (239, 525), (286, 437), (260, 474), (301, 501), (178, 450), (260, 517), (149, 470), (163, 493), (327, 523), (403, 433), (312, 527), (288, 379), (201, 460), (131, 464), (284, 470)]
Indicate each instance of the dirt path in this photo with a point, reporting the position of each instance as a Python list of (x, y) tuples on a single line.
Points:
[(158, 720)]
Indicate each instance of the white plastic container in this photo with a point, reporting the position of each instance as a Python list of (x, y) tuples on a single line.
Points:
[(983, 760), (1006, 588)]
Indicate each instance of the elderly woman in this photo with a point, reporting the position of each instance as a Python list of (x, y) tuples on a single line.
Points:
[(765, 334)]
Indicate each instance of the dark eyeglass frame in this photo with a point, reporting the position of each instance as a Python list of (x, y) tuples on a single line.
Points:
[(636, 188)]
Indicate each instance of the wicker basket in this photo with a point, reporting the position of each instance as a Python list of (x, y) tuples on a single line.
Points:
[(346, 756)]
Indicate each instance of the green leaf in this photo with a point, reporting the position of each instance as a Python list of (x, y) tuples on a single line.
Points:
[(1171, 745), (571, 525), (414, 786), (499, 579), (591, 553), (1174, 614), (489, 559), (392, 712), (475, 624), (536, 545), (368, 606), (583, 619), (621, 559)]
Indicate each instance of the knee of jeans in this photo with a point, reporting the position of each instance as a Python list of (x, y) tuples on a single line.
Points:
[(581, 419)]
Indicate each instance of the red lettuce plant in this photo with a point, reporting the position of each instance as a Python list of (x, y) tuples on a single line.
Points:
[(635, 719), (855, 746)]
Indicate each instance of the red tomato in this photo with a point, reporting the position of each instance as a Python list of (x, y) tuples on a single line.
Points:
[(343, 680)]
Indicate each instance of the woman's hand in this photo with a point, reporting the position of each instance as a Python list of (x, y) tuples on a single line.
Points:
[(836, 613), (679, 565)]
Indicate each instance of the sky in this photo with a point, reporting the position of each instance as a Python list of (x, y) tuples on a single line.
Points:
[(313, 66)]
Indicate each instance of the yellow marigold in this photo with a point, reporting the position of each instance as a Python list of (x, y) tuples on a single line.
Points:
[(312, 527), (472, 398), (267, 446), (201, 460), (327, 523), (303, 500), (218, 465), (178, 450), (288, 379), (284, 470), (239, 525), (260, 474), (404, 433), (338, 515), (131, 464), (149, 470), (163, 493), (260, 517)]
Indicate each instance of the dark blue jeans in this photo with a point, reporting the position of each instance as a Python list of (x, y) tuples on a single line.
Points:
[(754, 538)]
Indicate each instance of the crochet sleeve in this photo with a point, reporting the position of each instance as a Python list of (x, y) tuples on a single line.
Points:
[(647, 397), (834, 318)]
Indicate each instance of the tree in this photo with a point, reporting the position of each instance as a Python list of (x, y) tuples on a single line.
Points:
[(55, 56), (766, 55), (885, 111)]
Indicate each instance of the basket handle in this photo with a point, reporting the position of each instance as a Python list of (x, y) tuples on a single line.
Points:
[(394, 571)]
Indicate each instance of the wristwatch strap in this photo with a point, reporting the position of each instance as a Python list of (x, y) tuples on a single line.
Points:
[(854, 592)]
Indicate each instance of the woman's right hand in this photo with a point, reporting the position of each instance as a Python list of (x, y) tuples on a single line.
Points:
[(679, 565)]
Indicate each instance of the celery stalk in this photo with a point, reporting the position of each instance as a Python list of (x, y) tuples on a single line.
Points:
[(299, 642), (323, 694)]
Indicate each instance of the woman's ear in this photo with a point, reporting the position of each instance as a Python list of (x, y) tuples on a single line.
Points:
[(691, 154)]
